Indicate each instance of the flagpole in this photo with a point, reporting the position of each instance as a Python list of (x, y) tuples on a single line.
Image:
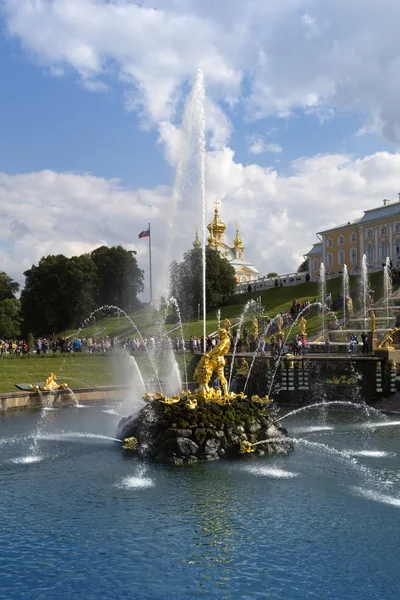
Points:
[(151, 280)]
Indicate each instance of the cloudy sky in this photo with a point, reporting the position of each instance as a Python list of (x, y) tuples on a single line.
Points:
[(303, 121)]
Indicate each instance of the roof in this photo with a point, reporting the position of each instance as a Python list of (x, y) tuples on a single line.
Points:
[(381, 212), (343, 226), (316, 249)]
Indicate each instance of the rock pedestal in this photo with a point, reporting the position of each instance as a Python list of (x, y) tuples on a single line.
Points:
[(178, 434)]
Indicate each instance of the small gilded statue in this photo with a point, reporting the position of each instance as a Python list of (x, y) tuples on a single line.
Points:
[(254, 327), (372, 320), (244, 368), (303, 326), (349, 304), (279, 323)]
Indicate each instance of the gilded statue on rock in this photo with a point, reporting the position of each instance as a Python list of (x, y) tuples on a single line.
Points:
[(214, 361), (254, 327), (303, 326)]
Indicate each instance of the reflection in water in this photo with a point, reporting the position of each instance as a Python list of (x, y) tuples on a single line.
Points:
[(217, 524)]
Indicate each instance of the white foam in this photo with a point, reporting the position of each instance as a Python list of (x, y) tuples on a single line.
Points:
[(26, 460), (49, 408), (313, 428), (134, 482), (377, 496), (370, 425), (111, 411), (273, 472), (370, 453)]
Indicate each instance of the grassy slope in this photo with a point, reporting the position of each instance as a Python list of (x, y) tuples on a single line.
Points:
[(273, 300)]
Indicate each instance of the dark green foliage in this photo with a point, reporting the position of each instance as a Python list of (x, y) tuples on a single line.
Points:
[(10, 318), (59, 293), (303, 266), (186, 281), (120, 279), (10, 307)]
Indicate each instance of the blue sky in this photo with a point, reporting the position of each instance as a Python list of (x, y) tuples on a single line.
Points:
[(302, 116)]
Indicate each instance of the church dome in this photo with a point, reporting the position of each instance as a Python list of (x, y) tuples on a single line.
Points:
[(216, 225), (237, 242), (197, 243)]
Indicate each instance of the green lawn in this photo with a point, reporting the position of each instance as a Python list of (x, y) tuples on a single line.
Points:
[(78, 370)]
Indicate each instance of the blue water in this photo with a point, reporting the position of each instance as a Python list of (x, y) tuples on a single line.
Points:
[(85, 522)]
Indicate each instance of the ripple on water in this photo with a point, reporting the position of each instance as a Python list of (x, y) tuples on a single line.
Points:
[(370, 453), (377, 496), (134, 482), (273, 472), (313, 428), (26, 460)]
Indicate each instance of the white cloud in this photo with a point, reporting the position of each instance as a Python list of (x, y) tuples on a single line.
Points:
[(275, 56), (50, 213), (257, 145)]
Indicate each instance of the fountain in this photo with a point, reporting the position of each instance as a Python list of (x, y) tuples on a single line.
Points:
[(322, 295), (345, 293), (364, 289), (387, 289)]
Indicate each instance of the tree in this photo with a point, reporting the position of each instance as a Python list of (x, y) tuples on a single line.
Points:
[(10, 307), (303, 267), (10, 318), (59, 293), (272, 274), (120, 279), (186, 281), (8, 287)]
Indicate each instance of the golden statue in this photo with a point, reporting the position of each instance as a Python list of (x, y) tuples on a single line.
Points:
[(372, 320), (244, 368), (387, 342), (279, 323), (349, 304), (254, 327), (50, 385), (213, 361), (303, 326)]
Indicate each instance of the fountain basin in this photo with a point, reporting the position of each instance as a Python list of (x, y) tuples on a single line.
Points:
[(177, 434)]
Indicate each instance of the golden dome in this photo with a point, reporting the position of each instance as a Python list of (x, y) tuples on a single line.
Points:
[(197, 243), (216, 224), (237, 242)]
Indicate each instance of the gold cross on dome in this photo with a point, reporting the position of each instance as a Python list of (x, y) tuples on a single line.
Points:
[(217, 203)]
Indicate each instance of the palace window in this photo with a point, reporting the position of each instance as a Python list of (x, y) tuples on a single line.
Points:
[(369, 251), (384, 250), (353, 256), (315, 265), (341, 240), (397, 228), (353, 238), (397, 247), (369, 234), (243, 279), (329, 242), (341, 257), (329, 259), (384, 230)]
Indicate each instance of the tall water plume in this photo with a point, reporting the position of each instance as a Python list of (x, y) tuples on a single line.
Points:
[(387, 286), (345, 292), (364, 289), (322, 294)]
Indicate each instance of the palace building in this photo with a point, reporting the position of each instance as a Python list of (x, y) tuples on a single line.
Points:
[(376, 234), (245, 271)]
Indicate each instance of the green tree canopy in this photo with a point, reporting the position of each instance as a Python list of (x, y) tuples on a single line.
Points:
[(120, 279), (59, 293), (303, 267), (10, 318), (186, 281), (8, 287), (10, 307)]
